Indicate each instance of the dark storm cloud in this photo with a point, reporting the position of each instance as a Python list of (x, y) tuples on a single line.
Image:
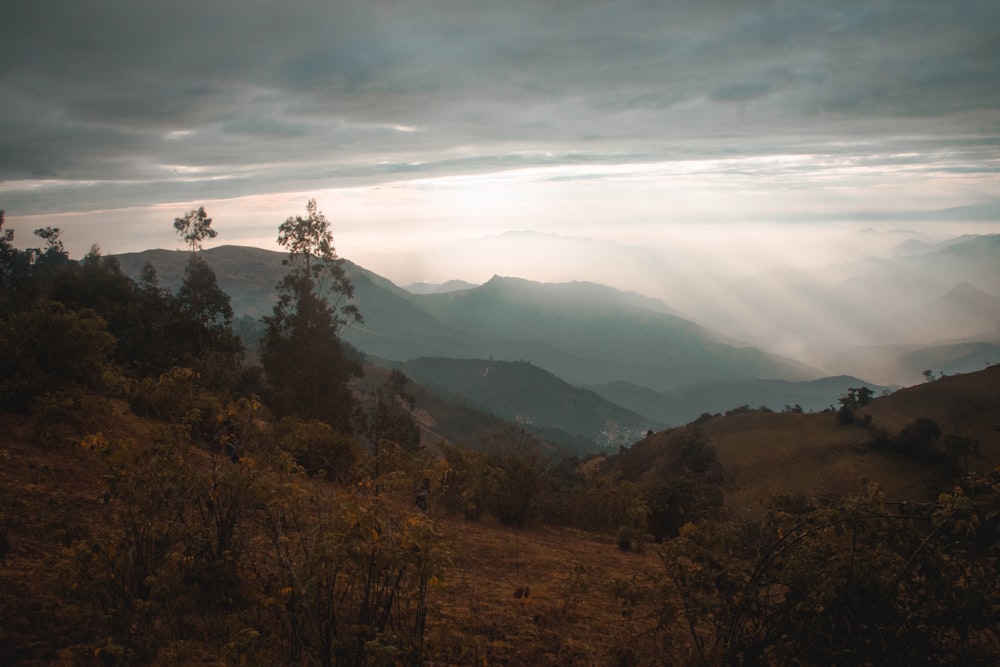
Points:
[(162, 101)]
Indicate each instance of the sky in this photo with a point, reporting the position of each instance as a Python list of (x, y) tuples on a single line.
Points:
[(422, 124)]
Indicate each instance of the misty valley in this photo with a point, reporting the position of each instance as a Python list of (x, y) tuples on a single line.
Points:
[(231, 455)]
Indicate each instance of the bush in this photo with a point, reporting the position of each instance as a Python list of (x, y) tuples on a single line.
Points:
[(849, 584), (178, 397), (919, 440), (317, 447)]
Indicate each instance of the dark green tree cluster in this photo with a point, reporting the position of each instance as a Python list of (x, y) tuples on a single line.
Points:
[(856, 397), (211, 526), (306, 366), (69, 325), (65, 321), (852, 583)]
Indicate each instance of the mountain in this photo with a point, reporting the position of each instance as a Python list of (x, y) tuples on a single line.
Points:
[(680, 406), (526, 394), (857, 290), (593, 334), (921, 295), (582, 332), (436, 288)]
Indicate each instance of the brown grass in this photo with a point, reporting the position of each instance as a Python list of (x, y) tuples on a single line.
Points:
[(767, 453), (539, 596), (535, 596)]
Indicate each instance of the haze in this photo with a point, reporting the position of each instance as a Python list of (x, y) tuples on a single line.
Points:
[(668, 148)]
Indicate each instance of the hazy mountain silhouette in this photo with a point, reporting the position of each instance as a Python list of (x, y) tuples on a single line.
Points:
[(523, 393), (858, 297), (583, 332), (680, 406), (436, 288), (609, 335), (640, 353)]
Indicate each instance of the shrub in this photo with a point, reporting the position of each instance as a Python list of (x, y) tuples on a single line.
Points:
[(317, 447)]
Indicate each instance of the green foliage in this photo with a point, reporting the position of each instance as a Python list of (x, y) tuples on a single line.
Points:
[(848, 584), (681, 499), (270, 563), (128, 574), (314, 261), (48, 347), (178, 397), (195, 227), (919, 440), (317, 447), (304, 361), (66, 415), (959, 448), (155, 330), (634, 531), (855, 398), (465, 481), (387, 413), (348, 585), (202, 299), (516, 473)]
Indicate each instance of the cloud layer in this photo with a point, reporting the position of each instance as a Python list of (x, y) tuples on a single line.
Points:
[(118, 103)]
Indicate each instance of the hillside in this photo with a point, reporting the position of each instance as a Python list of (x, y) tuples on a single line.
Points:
[(618, 336), (813, 454), (60, 525), (680, 406), (525, 394)]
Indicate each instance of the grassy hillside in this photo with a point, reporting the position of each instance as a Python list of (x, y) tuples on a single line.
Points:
[(680, 406), (814, 454)]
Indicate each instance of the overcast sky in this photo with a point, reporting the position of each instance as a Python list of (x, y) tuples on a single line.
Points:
[(419, 122)]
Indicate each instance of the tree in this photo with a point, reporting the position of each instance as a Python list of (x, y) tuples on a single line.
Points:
[(206, 314), (305, 364), (202, 298), (48, 347), (919, 439), (314, 259), (15, 266), (389, 415), (195, 227), (960, 448), (517, 470)]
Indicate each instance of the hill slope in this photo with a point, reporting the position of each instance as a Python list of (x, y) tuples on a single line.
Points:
[(768, 453), (617, 335), (679, 406), (526, 394)]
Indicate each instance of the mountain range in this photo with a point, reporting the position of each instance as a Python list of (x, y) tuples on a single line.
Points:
[(639, 361)]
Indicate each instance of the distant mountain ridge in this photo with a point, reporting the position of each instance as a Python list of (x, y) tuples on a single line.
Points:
[(584, 333), (858, 294), (683, 405), (438, 288), (589, 334), (631, 350), (522, 393)]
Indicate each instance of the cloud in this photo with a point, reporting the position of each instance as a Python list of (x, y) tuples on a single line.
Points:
[(119, 103)]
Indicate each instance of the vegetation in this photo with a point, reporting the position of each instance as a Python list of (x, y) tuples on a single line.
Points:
[(164, 502), (304, 362)]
